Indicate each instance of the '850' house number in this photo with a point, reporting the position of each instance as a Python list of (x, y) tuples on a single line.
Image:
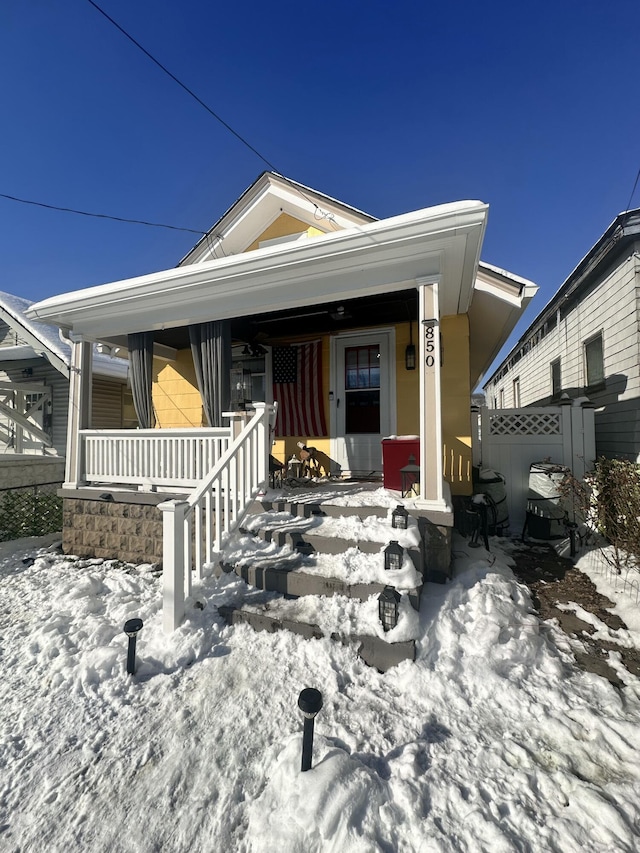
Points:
[(430, 346)]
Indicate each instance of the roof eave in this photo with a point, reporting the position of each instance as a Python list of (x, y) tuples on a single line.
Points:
[(366, 259)]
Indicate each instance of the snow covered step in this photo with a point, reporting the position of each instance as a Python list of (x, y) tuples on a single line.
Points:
[(344, 569), (310, 542), (294, 582), (338, 619), (309, 509)]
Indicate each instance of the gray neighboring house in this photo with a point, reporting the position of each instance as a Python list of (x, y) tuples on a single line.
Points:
[(586, 343), (34, 387)]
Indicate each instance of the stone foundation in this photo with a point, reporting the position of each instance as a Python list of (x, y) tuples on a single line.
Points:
[(19, 470), (127, 528)]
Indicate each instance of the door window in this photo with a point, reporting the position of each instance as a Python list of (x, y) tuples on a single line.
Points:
[(362, 389)]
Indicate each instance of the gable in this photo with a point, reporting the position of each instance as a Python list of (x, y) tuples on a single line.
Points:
[(273, 202), (9, 336), (285, 226)]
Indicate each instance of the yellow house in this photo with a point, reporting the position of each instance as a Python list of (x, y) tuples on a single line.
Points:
[(359, 329)]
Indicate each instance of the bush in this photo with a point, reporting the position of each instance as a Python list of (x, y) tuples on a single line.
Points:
[(608, 501)]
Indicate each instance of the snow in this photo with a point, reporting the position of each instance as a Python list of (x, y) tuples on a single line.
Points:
[(49, 335), (493, 740)]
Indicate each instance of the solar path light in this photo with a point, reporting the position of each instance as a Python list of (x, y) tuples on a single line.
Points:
[(310, 703), (131, 628)]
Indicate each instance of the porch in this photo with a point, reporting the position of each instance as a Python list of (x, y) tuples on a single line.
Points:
[(183, 519)]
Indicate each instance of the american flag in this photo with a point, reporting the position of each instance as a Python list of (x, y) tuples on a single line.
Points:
[(297, 388)]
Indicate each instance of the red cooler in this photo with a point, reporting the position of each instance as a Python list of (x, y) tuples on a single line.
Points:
[(395, 455)]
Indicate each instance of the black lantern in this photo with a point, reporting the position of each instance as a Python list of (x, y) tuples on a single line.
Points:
[(410, 478), (393, 555), (400, 518), (410, 351), (388, 607)]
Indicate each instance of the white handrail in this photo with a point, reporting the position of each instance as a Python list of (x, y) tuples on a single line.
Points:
[(193, 529)]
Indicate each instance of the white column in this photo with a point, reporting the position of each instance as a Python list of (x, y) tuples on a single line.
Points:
[(80, 381), (173, 563), (431, 487)]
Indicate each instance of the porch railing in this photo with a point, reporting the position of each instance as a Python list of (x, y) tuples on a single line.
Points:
[(195, 528), (166, 457)]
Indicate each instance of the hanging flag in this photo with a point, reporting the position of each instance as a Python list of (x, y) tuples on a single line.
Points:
[(297, 389)]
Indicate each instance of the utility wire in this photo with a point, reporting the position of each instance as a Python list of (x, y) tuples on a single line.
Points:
[(100, 215), (182, 85), (206, 107), (628, 207)]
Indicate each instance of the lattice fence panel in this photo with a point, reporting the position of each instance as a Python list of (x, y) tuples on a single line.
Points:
[(521, 423)]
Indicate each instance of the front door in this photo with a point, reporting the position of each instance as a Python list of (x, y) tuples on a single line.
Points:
[(361, 409)]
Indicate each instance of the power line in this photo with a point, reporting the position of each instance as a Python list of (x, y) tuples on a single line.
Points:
[(628, 207), (100, 215), (183, 86), (206, 107)]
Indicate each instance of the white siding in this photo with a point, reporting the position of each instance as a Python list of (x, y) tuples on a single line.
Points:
[(41, 373), (610, 307)]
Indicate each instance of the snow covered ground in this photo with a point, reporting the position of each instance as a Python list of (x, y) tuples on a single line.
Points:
[(492, 741)]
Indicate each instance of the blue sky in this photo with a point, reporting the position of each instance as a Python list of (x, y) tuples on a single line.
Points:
[(532, 108)]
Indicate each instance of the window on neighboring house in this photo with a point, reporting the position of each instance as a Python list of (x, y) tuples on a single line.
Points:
[(502, 398), (495, 402), (516, 393), (556, 378), (594, 360)]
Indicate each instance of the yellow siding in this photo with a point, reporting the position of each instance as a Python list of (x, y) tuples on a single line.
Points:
[(456, 403), (177, 401), (176, 398), (283, 226)]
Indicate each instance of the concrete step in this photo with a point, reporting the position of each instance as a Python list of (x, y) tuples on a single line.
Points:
[(309, 509), (308, 541), (373, 650), (292, 581)]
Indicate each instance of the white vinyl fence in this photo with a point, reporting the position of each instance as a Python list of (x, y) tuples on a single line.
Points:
[(513, 439)]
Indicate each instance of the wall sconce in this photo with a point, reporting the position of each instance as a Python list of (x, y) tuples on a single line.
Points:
[(393, 555), (388, 607), (410, 351)]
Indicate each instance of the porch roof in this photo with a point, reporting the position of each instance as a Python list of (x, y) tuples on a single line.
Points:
[(441, 242)]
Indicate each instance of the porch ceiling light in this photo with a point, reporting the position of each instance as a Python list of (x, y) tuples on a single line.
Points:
[(393, 555), (389, 607)]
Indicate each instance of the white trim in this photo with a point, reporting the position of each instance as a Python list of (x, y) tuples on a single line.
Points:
[(377, 257)]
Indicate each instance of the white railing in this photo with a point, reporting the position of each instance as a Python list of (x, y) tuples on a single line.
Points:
[(157, 457), (194, 529)]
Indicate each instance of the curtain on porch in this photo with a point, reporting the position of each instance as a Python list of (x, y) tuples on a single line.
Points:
[(211, 350), (140, 346)]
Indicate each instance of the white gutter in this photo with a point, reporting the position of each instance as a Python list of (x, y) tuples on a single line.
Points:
[(363, 259)]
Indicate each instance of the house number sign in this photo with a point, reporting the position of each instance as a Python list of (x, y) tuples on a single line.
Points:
[(430, 345)]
